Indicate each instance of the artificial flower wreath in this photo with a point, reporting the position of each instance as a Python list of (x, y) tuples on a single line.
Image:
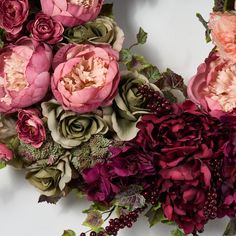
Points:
[(134, 142)]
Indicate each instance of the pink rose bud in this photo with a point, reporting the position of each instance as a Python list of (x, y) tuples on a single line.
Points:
[(72, 12), (13, 14), (24, 74), (5, 153), (85, 77), (45, 29), (30, 128)]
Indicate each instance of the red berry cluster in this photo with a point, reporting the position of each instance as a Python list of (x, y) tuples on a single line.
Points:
[(155, 101), (210, 208), (151, 195), (118, 223), (123, 221)]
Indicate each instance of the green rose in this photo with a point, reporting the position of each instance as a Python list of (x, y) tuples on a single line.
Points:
[(51, 180), (103, 30), (71, 129), (128, 106)]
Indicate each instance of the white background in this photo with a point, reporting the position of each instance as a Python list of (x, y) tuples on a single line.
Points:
[(176, 40)]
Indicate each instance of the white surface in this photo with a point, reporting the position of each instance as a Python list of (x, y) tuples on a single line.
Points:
[(176, 40)]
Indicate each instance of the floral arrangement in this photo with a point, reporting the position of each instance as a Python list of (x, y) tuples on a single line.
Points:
[(133, 142)]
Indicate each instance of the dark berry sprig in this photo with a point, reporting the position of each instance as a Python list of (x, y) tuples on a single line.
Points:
[(155, 102)]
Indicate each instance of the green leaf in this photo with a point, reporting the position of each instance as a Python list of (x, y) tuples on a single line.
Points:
[(142, 36), (205, 24), (2, 35), (177, 232), (152, 73), (138, 63), (94, 220), (69, 233), (230, 228), (125, 56), (155, 215), (229, 5), (107, 10), (170, 96), (2, 165)]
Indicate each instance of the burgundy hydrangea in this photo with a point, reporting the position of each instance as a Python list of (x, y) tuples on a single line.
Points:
[(184, 192), (99, 183), (187, 133)]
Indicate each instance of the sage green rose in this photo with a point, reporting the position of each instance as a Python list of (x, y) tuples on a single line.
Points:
[(7, 128), (51, 180), (128, 106), (71, 129), (103, 30)]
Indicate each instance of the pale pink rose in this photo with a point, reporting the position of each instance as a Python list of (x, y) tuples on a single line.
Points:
[(223, 31), (85, 77), (13, 13), (72, 12), (30, 127), (5, 153), (214, 86), (24, 74)]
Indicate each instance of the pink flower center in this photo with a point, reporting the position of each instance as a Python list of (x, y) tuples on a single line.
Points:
[(223, 89), (84, 3), (14, 79), (87, 73)]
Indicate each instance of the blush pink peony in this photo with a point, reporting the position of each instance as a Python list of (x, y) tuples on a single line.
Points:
[(85, 77), (214, 86), (223, 31), (72, 12), (24, 74), (5, 153)]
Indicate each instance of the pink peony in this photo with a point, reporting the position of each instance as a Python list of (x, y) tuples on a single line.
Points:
[(45, 29), (5, 153), (72, 12), (223, 31), (30, 128), (85, 77), (214, 86), (24, 74), (13, 14)]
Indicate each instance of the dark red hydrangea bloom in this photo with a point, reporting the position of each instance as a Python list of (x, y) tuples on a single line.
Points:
[(99, 183), (228, 192), (127, 165), (184, 145), (186, 134), (183, 193)]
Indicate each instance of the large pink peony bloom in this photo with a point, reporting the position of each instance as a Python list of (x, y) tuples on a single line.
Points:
[(223, 31), (214, 86), (72, 12), (85, 77), (13, 14), (24, 74)]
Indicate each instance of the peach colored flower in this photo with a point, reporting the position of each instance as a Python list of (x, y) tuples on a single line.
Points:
[(214, 85), (223, 31), (85, 77)]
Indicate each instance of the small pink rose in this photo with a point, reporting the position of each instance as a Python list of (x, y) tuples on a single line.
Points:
[(85, 77), (5, 153), (13, 14), (45, 29), (24, 74), (214, 86), (223, 31), (72, 12), (30, 128)]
